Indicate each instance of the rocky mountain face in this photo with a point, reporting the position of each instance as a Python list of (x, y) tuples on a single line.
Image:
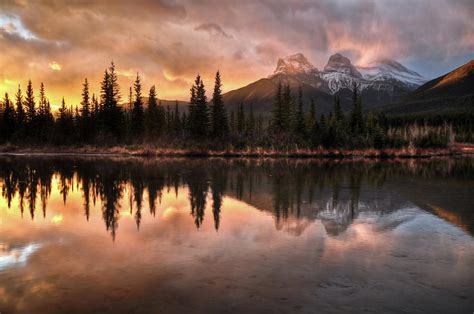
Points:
[(381, 83)]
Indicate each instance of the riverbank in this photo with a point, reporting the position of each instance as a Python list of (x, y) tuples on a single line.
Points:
[(155, 151)]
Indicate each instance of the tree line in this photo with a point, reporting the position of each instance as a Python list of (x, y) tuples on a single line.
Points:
[(104, 119)]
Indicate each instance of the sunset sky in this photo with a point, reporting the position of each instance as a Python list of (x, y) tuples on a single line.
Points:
[(169, 42)]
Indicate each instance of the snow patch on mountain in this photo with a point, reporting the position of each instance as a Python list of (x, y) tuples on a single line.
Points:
[(339, 73), (385, 70)]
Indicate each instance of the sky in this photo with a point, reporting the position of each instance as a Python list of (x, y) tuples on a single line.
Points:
[(170, 41)]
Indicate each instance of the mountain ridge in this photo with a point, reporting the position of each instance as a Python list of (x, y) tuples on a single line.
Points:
[(383, 82), (453, 91)]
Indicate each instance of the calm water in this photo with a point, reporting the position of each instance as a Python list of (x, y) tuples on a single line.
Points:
[(245, 236)]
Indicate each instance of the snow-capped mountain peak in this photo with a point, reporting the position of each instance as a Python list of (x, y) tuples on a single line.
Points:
[(387, 69), (295, 64), (339, 63), (387, 79)]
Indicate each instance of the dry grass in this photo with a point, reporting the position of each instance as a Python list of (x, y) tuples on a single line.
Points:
[(157, 151)]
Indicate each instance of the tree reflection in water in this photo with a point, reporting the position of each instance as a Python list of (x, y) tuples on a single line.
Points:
[(290, 190)]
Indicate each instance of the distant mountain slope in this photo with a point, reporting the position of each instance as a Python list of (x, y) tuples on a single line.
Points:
[(260, 95), (381, 83), (459, 82), (453, 91)]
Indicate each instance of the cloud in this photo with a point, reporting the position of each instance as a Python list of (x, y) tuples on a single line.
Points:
[(170, 41), (54, 66), (213, 29), (12, 24)]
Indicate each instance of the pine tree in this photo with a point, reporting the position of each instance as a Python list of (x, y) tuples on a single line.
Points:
[(277, 119), (287, 106), (299, 120), (85, 103), (338, 114), (357, 120), (112, 116), (30, 108), (198, 119), (152, 120), (95, 116), (311, 120), (219, 123), (42, 103), (184, 119), (137, 115), (20, 114), (65, 124), (240, 119), (85, 128), (176, 119), (232, 122), (250, 124), (338, 124), (169, 121), (322, 131), (44, 117), (7, 119), (192, 110), (62, 118), (161, 118)]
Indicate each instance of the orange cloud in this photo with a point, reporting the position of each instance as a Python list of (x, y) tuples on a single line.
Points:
[(169, 43)]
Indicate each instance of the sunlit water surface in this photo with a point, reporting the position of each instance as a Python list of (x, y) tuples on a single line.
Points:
[(246, 236)]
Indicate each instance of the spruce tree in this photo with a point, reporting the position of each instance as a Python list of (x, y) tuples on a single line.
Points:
[(338, 124), (320, 131), (357, 120), (240, 119), (299, 120), (85, 128), (250, 124), (198, 111), (311, 120), (44, 118), (176, 119), (219, 123), (112, 116), (287, 106), (95, 116), (232, 122), (152, 121), (20, 114), (30, 109), (169, 121), (7, 119), (184, 120), (338, 114), (42, 102), (161, 118), (277, 119), (65, 124), (137, 115)]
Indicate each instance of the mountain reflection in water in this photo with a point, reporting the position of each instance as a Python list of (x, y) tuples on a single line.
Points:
[(291, 190), (252, 235)]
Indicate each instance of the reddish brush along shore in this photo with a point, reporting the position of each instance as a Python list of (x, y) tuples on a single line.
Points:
[(151, 151)]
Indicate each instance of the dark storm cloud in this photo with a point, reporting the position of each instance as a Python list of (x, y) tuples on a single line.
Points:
[(212, 29)]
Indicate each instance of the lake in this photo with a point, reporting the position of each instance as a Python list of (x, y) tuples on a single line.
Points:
[(125, 235)]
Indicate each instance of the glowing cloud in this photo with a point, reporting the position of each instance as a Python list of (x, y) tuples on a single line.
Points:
[(171, 41), (55, 66)]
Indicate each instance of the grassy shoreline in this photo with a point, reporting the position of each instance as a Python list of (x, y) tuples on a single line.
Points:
[(155, 151)]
